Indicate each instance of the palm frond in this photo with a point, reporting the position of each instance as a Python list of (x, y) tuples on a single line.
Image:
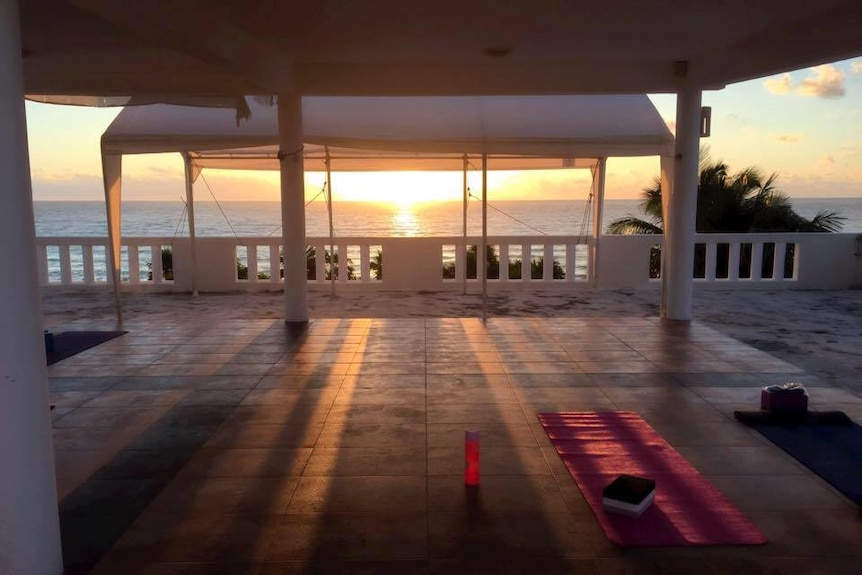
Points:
[(630, 225), (828, 221)]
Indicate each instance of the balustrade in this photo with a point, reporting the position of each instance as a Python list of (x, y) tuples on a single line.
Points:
[(416, 263)]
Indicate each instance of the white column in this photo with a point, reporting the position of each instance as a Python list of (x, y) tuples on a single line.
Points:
[(29, 523), (682, 208), (667, 167), (293, 207), (598, 214)]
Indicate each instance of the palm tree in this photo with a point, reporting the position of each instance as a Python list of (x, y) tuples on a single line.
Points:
[(729, 203), (376, 265), (492, 261)]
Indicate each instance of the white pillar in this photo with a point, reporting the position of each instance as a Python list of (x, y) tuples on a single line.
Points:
[(680, 223), (29, 522), (293, 207), (598, 214)]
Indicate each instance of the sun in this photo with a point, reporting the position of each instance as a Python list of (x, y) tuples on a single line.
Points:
[(397, 188)]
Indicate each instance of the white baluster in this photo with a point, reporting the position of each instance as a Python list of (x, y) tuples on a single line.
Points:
[(275, 263), (757, 261), (365, 263), (65, 265), (134, 264), (711, 257), (252, 263), (778, 263), (733, 261), (87, 256)]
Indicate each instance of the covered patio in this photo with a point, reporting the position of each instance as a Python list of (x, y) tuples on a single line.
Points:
[(196, 444), (261, 446)]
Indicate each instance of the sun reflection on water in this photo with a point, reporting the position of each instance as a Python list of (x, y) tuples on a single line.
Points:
[(404, 221)]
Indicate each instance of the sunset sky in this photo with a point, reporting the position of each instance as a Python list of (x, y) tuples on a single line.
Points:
[(805, 125)]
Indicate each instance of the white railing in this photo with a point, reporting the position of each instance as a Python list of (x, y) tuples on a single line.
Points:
[(803, 261)]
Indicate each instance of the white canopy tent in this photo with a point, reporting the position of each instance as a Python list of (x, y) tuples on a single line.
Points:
[(389, 133)]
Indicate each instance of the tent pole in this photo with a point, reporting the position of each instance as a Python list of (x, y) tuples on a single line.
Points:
[(112, 174), (464, 214), (190, 205), (331, 230), (598, 211), (481, 261)]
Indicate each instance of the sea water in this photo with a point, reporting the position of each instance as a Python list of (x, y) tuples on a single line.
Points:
[(505, 218)]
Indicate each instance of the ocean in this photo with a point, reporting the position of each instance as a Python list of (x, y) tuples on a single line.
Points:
[(509, 218)]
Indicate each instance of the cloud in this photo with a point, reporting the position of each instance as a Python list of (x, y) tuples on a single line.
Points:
[(827, 81), (849, 151), (788, 138), (826, 164), (736, 119), (779, 85), (824, 81), (856, 67)]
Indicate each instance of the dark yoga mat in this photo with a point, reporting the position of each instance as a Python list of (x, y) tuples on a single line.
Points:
[(69, 343), (827, 443)]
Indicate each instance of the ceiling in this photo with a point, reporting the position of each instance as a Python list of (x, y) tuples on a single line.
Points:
[(398, 47)]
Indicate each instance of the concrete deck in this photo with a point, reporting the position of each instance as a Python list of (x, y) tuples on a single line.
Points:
[(207, 442)]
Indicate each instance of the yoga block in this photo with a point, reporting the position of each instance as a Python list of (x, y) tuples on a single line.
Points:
[(790, 397), (628, 495), (49, 341)]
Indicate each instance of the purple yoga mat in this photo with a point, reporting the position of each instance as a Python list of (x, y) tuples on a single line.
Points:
[(596, 447)]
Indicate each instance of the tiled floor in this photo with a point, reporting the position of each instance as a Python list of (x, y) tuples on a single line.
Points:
[(232, 446)]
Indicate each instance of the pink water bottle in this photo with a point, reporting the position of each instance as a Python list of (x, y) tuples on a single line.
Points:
[(471, 457)]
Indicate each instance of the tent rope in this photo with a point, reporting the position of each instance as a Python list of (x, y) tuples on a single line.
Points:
[(182, 221), (493, 207), (587, 218), (224, 215), (508, 215), (308, 203)]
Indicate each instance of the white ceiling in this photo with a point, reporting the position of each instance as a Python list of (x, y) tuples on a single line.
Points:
[(400, 47)]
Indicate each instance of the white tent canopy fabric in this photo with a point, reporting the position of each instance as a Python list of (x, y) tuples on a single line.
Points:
[(380, 133), (389, 133)]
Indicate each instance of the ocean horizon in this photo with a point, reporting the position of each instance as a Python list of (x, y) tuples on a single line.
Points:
[(263, 218)]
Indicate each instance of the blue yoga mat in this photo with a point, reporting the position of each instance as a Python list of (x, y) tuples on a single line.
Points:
[(69, 343), (834, 452)]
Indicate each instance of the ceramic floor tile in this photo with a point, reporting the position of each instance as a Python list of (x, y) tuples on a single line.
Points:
[(451, 435), (247, 462), (238, 435), (366, 461), (323, 537), (494, 460), (365, 494), (195, 496)]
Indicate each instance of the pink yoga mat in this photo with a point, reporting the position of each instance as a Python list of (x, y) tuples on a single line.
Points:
[(598, 446)]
